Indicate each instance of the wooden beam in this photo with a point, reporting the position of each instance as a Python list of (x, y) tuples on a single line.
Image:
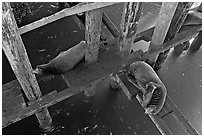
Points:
[(76, 19), (109, 24), (92, 35), (175, 25), (162, 26), (128, 26), (81, 76), (186, 34), (16, 54), (45, 102), (64, 13)]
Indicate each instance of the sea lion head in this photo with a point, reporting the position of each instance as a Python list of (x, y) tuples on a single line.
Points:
[(135, 77)]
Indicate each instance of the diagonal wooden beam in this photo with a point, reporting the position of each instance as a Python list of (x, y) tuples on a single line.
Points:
[(64, 13)]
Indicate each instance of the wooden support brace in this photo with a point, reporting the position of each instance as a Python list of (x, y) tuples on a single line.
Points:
[(81, 76), (186, 34), (162, 26), (176, 23), (92, 35), (64, 13), (16, 54), (197, 43), (111, 27), (128, 26)]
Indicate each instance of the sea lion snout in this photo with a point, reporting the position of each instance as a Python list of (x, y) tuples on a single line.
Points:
[(38, 71)]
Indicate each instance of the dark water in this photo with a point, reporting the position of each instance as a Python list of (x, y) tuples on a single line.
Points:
[(182, 77), (107, 112)]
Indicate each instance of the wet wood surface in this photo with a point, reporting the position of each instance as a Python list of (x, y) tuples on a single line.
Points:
[(128, 26), (17, 56), (92, 35), (162, 26), (64, 13)]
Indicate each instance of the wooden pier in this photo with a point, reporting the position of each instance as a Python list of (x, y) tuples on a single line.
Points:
[(104, 60)]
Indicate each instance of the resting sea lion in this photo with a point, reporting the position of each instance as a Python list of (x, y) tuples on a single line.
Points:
[(141, 75), (64, 62)]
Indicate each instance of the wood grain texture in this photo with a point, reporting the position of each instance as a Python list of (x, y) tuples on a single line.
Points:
[(92, 35), (128, 26)]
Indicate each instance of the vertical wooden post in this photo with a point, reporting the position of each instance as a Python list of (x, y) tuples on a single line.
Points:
[(196, 43), (162, 26), (128, 26), (176, 23), (92, 34), (16, 54)]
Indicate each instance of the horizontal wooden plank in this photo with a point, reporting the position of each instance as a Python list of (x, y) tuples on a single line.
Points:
[(109, 62), (10, 85), (186, 33), (64, 13), (44, 102)]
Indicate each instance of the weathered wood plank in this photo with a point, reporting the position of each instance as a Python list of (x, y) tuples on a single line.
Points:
[(16, 54), (12, 98), (179, 116), (163, 23), (64, 13), (109, 62), (162, 26), (128, 26), (176, 23), (92, 35), (76, 19), (186, 34), (44, 102), (111, 27)]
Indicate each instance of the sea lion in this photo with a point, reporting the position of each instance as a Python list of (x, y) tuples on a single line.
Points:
[(64, 62), (141, 75)]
